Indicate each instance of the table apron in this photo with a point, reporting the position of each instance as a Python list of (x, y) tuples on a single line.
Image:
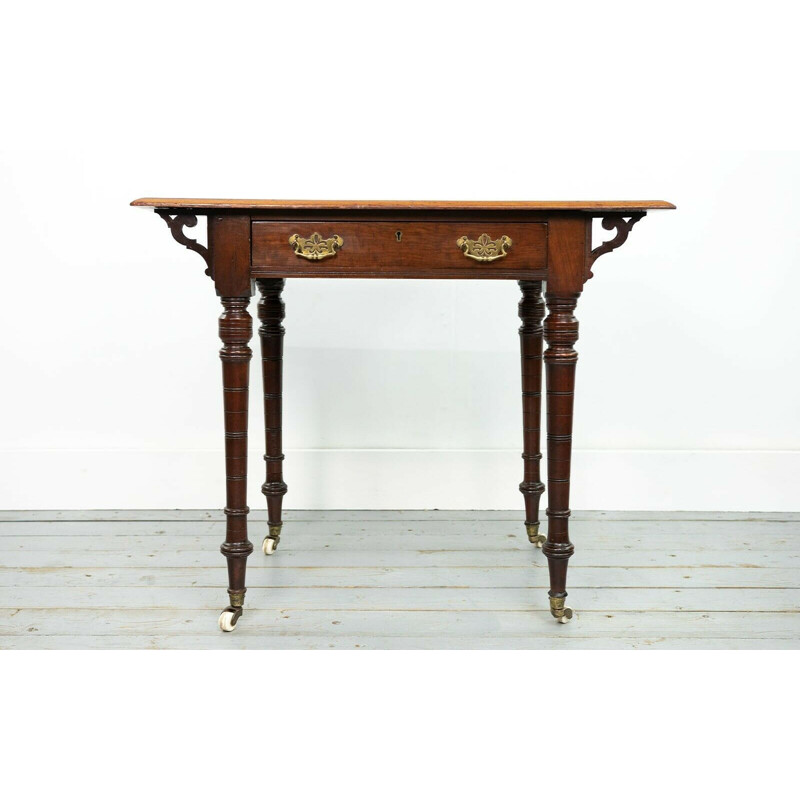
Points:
[(399, 249)]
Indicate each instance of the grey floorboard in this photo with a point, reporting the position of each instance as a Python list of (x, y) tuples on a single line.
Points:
[(399, 580)]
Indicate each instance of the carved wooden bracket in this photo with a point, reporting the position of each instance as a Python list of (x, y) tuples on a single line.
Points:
[(176, 225), (623, 227)]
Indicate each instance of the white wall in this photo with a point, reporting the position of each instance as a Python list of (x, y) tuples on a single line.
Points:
[(397, 394)]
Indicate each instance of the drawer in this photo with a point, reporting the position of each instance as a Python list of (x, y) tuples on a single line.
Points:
[(399, 249)]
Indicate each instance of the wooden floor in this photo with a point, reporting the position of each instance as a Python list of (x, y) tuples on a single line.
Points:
[(399, 579)]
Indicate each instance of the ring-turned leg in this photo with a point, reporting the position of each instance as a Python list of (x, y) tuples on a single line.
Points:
[(235, 330), (531, 312), (271, 311), (560, 358)]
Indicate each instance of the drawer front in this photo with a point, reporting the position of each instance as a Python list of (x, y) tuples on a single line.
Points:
[(408, 249)]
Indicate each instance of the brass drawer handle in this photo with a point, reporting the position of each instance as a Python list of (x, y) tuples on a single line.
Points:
[(483, 248), (315, 247)]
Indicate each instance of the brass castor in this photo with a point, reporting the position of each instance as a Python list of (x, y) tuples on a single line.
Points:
[(561, 612), (534, 537), (270, 543), (229, 617)]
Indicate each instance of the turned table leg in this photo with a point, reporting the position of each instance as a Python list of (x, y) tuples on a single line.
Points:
[(560, 358), (235, 330), (271, 311), (531, 312)]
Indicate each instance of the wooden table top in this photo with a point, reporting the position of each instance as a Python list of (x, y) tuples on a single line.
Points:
[(597, 206)]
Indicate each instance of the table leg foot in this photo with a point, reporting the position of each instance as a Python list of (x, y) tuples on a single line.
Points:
[(534, 537), (271, 540), (229, 617), (561, 612)]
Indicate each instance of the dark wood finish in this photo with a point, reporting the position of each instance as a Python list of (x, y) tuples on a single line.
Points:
[(607, 206), (248, 240), (560, 358), (271, 312), (385, 249), (569, 241), (229, 245), (569, 246), (236, 330), (623, 227), (531, 312), (176, 224)]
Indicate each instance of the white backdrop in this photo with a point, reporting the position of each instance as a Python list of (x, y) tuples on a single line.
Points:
[(397, 394)]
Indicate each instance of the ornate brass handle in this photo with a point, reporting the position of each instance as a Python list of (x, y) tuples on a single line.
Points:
[(483, 248), (315, 247)]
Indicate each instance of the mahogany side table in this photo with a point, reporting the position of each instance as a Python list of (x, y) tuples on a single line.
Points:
[(261, 243)]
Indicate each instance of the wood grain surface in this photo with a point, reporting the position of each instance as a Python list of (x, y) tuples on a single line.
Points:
[(605, 206), (379, 249)]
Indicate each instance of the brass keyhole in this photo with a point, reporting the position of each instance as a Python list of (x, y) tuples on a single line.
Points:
[(398, 235)]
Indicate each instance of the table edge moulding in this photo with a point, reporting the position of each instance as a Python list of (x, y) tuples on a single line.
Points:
[(256, 245)]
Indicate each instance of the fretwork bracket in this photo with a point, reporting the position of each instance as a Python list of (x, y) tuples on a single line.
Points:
[(176, 225), (623, 227)]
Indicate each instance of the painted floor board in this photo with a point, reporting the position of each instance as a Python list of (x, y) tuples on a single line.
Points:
[(406, 598), (266, 642), (733, 531), (273, 578), (382, 554), (356, 514), (535, 575), (702, 572), (433, 624), (399, 580)]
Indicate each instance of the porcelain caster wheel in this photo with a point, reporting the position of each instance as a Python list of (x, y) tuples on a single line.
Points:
[(540, 540), (228, 618), (567, 616), (268, 546)]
